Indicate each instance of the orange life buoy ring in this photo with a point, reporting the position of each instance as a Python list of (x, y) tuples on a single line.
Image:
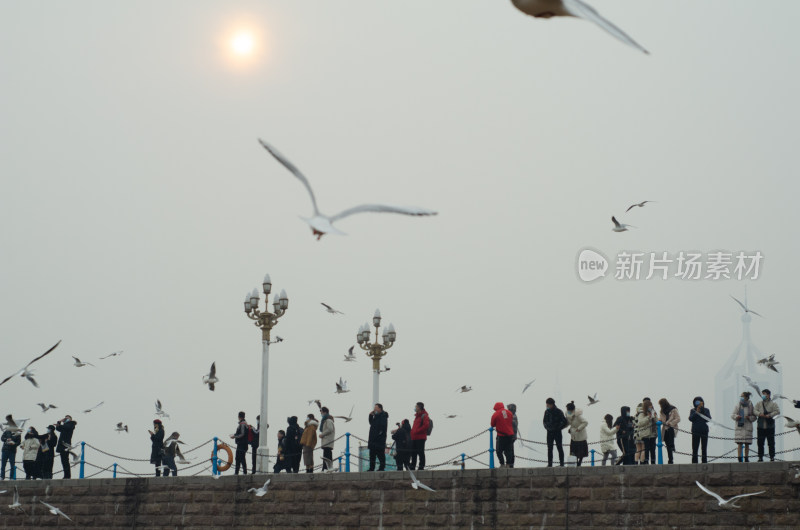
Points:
[(222, 464)]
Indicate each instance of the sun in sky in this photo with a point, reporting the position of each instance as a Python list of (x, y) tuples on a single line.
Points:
[(243, 43)]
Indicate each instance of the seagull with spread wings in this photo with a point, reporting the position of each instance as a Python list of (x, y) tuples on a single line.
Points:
[(113, 354), (350, 357), (416, 484), (15, 504), (619, 227), (160, 410), (87, 411), (121, 427), (25, 372), (744, 306), (729, 503), (464, 388), (639, 204), (56, 511), (211, 378), (593, 400), (260, 492), (322, 224), (45, 408), (341, 386), (527, 385), (80, 364), (769, 362), (577, 9), (331, 310), (347, 418)]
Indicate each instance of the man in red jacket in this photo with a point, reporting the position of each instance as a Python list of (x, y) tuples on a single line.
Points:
[(503, 423), (419, 433)]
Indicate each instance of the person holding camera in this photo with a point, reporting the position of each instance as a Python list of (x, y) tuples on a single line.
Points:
[(65, 428), (699, 416)]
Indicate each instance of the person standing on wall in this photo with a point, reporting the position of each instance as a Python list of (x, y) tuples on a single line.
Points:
[(66, 428), (419, 435), (699, 416), (11, 441), (309, 441), (327, 433), (156, 446), (744, 415), (554, 422), (766, 410), (503, 423), (670, 418), (376, 442), (253, 436), (240, 437)]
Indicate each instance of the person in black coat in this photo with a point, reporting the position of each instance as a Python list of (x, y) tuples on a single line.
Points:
[(65, 428), (699, 416), (294, 450), (796, 403), (157, 445), (554, 422), (378, 426), (10, 441), (625, 431), (49, 442), (282, 461), (254, 443), (402, 445)]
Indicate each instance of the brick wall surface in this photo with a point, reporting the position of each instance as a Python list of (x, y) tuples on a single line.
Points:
[(599, 497)]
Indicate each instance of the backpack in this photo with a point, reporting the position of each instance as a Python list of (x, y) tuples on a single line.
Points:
[(430, 425), (251, 436)]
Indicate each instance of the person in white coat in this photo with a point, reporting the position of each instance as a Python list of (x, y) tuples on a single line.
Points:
[(327, 433), (608, 435), (744, 415), (578, 446)]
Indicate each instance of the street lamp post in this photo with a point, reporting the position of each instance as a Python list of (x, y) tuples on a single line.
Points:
[(265, 321), (376, 351)]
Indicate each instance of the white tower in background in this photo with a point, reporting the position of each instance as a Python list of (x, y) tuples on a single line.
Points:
[(729, 384)]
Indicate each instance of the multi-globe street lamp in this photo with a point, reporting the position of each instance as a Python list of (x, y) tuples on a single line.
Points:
[(375, 350)]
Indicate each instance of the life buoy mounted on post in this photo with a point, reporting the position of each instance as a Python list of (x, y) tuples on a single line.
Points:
[(223, 464)]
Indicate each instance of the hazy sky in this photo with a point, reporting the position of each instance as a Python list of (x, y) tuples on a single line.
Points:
[(138, 208)]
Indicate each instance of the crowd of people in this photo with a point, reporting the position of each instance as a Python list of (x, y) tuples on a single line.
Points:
[(38, 450)]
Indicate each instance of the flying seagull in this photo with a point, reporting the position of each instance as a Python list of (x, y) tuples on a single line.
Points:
[(730, 503), (593, 400), (318, 402), (323, 224), (712, 422), (87, 411), (331, 310), (341, 387), (527, 386), (573, 8), (159, 410), (12, 426), (27, 374), (792, 424), (211, 378), (55, 511), (45, 408), (752, 384), (769, 362), (416, 484), (121, 427), (350, 357), (79, 364), (16, 505), (450, 416), (172, 440), (744, 306), (348, 417), (619, 227), (464, 388), (260, 492), (114, 354), (639, 204)]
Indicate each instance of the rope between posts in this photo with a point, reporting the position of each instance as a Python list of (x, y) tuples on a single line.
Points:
[(456, 443), (734, 439)]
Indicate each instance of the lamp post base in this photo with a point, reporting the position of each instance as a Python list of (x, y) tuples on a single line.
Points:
[(262, 460)]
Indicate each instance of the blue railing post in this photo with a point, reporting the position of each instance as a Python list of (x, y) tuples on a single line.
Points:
[(659, 444), (347, 453), (214, 459), (592, 451), (14, 471), (83, 458), (340, 464), (115, 470), (463, 461), (491, 447)]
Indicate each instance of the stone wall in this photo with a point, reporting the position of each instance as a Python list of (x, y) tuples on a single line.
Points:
[(599, 497)]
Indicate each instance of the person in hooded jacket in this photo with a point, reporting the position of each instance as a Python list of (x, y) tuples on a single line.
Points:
[(48, 442), (744, 415), (554, 422), (419, 435), (157, 445), (402, 441), (66, 428), (578, 446), (625, 430), (294, 449), (699, 416), (327, 433), (309, 441), (503, 423), (378, 427)]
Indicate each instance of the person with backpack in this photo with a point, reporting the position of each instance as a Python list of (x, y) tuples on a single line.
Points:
[(327, 433), (252, 439), (378, 426), (294, 449), (240, 437), (554, 422), (309, 441), (422, 428), (402, 445), (503, 423)]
